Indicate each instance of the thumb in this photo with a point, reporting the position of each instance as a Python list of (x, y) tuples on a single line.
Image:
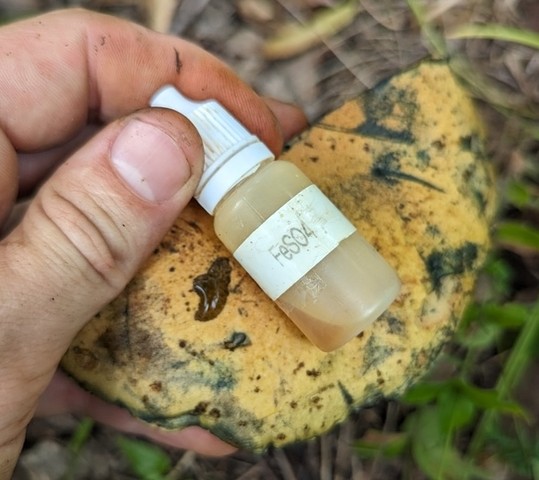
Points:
[(86, 233)]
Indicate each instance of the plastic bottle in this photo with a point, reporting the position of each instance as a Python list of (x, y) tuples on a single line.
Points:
[(284, 231)]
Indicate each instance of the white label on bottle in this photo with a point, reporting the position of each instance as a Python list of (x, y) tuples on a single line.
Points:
[(293, 240)]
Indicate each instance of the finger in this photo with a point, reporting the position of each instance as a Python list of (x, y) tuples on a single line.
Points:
[(91, 65), (63, 395), (34, 168), (95, 220), (290, 118), (83, 237), (8, 178)]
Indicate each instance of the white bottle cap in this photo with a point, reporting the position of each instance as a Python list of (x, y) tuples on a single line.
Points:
[(231, 152)]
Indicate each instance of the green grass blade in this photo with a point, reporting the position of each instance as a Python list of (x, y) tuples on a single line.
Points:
[(81, 435), (433, 452), (520, 355), (76, 444), (518, 446), (455, 411), (497, 32), (148, 461), (423, 393), (520, 194), (518, 234), (501, 277), (435, 41), (518, 360), (489, 399), (388, 445), (509, 315)]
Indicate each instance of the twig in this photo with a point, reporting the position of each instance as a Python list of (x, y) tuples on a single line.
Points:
[(343, 453), (258, 470), (284, 465), (325, 458), (183, 465), (390, 425)]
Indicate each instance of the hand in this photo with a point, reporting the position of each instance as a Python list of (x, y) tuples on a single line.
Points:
[(106, 204)]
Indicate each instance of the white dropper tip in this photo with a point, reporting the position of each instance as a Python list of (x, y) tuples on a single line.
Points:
[(231, 152)]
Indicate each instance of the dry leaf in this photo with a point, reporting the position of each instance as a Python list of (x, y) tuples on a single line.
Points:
[(260, 11), (295, 38), (160, 13)]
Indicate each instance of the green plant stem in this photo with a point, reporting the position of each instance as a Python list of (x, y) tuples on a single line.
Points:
[(510, 377), (76, 444), (468, 363), (435, 42), (497, 32)]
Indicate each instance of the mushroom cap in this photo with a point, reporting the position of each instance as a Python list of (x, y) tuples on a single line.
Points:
[(193, 340)]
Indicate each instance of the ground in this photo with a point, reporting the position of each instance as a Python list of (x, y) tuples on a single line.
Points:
[(383, 37)]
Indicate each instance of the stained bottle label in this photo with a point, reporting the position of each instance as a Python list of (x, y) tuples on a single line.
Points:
[(293, 240)]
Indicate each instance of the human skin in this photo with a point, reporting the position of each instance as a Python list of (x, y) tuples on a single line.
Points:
[(106, 178)]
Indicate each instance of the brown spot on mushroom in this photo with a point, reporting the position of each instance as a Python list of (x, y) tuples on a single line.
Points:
[(156, 386), (200, 408), (298, 367), (237, 340), (212, 289), (85, 357)]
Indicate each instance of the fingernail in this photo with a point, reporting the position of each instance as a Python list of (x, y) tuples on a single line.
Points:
[(149, 161)]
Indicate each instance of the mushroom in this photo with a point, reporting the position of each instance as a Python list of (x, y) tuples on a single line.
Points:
[(193, 340)]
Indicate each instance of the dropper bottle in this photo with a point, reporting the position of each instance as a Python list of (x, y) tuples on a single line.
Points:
[(297, 246)]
